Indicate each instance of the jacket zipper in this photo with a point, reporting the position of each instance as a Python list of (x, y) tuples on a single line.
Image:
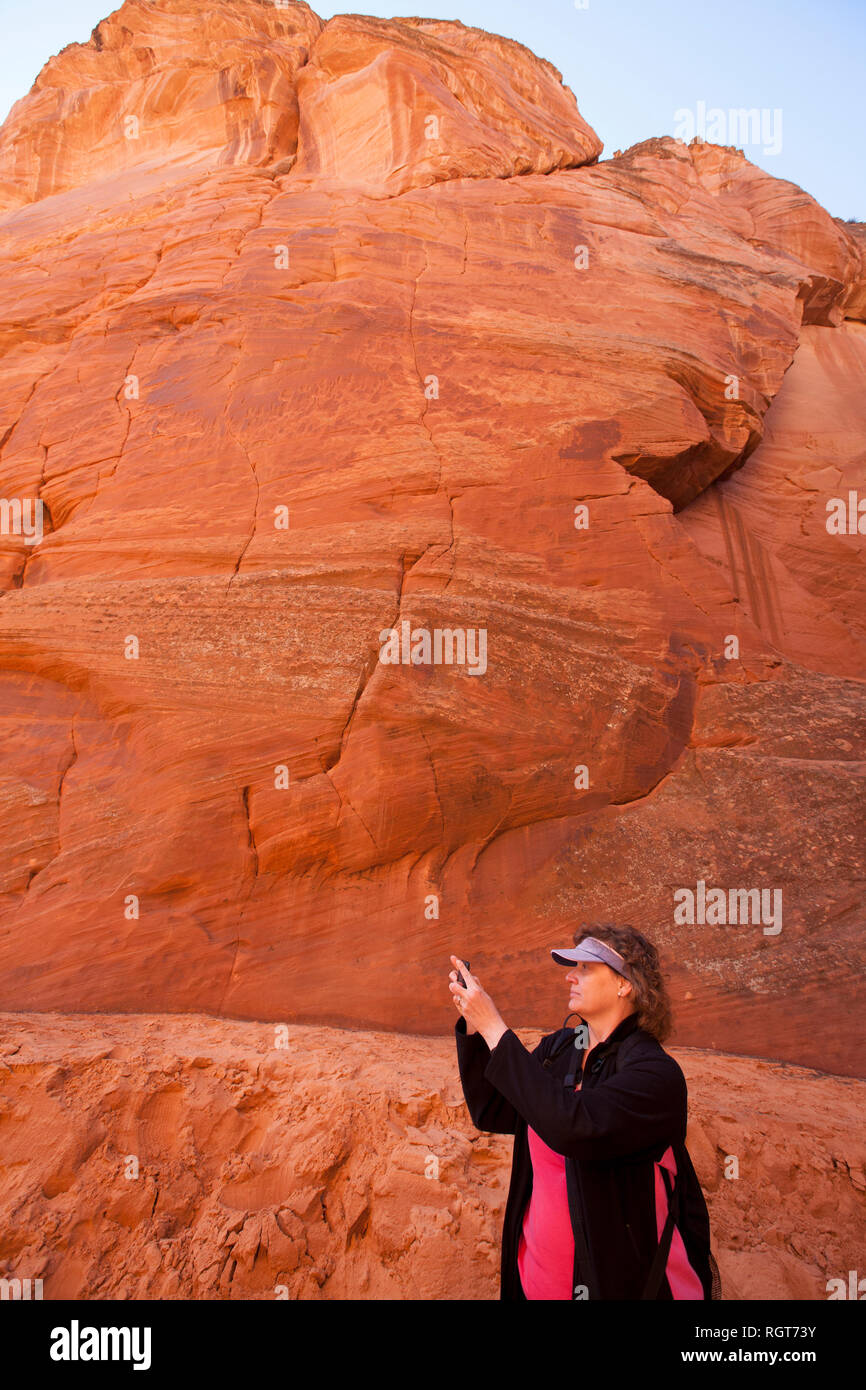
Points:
[(633, 1241)]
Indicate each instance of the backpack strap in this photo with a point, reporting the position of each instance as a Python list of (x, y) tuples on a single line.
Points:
[(657, 1268), (618, 1051), (567, 1041)]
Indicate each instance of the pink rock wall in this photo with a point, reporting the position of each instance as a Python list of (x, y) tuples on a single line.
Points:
[(284, 301)]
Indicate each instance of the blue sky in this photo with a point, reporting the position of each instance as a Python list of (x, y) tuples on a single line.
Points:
[(632, 65)]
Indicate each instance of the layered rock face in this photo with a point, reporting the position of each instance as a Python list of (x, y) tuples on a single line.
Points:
[(388, 106), (355, 332), (158, 86)]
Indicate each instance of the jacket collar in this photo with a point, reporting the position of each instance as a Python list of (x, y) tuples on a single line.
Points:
[(623, 1028)]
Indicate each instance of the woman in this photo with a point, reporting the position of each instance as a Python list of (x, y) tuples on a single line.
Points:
[(604, 1202)]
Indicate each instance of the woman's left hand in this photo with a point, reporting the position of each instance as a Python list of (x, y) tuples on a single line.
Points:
[(476, 1006)]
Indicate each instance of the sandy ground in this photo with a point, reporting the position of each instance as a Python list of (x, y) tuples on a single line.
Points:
[(182, 1156)]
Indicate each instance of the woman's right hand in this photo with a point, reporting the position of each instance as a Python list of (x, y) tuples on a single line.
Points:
[(453, 977)]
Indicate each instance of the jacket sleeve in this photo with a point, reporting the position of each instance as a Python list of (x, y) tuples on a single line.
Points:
[(488, 1107), (634, 1109)]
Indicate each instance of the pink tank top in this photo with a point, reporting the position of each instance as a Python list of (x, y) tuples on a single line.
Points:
[(545, 1253)]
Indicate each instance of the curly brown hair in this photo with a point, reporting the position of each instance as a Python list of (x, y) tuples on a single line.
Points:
[(652, 1004)]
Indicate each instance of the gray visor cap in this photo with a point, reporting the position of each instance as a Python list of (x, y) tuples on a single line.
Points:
[(591, 948)]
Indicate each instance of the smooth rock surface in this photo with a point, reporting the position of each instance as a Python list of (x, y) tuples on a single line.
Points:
[(766, 525), (390, 105), (427, 366), (174, 83)]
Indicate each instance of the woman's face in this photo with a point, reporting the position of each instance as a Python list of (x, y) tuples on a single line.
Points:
[(594, 988)]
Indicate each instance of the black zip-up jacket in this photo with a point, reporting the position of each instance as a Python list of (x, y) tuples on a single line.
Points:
[(611, 1132)]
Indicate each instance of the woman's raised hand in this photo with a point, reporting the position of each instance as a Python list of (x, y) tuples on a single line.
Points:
[(476, 1006), (457, 995)]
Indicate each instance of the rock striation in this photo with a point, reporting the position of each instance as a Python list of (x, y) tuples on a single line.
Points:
[(358, 330)]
